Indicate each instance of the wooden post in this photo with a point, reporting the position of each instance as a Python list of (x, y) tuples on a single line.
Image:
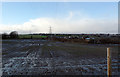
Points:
[(108, 62)]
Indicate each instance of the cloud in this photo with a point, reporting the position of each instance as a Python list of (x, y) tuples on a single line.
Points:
[(70, 15), (64, 25)]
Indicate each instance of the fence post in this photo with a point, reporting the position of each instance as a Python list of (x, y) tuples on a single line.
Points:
[(108, 62)]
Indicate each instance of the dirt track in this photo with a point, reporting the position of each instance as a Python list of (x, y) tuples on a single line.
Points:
[(40, 57)]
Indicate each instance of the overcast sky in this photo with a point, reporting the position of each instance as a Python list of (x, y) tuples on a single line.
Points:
[(63, 17)]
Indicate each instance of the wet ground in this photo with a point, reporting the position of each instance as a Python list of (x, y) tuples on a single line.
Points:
[(41, 57)]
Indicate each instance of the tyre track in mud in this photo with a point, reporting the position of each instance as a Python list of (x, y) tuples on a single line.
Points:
[(48, 54), (26, 62), (54, 56), (16, 52)]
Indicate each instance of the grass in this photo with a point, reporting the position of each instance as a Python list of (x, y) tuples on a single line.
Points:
[(33, 36)]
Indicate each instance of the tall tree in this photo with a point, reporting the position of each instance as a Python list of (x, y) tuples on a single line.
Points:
[(14, 34)]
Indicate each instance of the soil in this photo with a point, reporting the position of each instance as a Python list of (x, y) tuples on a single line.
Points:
[(42, 57)]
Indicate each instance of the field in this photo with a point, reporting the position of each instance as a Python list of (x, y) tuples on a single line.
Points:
[(43, 57), (33, 36)]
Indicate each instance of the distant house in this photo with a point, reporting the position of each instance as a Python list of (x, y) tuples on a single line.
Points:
[(88, 39)]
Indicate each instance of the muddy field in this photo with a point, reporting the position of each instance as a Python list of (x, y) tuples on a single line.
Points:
[(41, 57)]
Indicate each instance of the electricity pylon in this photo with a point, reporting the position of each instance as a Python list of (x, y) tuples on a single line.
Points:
[(50, 30)]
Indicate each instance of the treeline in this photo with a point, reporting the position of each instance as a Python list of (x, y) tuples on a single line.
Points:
[(90, 41), (15, 35), (12, 35), (75, 38)]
